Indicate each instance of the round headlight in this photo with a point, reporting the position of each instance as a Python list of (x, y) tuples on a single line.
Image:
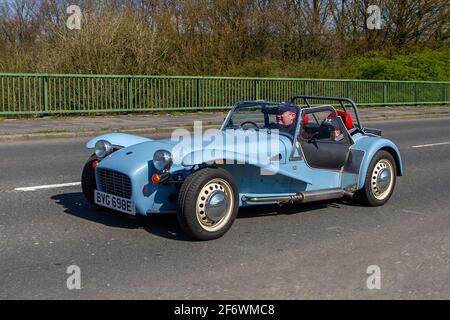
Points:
[(162, 160), (103, 148)]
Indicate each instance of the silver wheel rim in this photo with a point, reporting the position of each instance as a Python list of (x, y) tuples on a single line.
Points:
[(215, 204), (382, 179)]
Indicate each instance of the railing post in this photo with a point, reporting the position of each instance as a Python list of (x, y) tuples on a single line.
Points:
[(443, 93), (197, 92), (384, 92), (130, 94), (45, 93), (256, 89), (446, 90), (415, 93)]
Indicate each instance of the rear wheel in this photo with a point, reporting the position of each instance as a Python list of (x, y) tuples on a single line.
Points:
[(88, 184), (207, 204), (379, 181)]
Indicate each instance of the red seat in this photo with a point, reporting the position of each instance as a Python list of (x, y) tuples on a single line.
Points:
[(346, 118), (305, 119)]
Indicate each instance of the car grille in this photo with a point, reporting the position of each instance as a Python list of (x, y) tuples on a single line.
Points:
[(115, 183)]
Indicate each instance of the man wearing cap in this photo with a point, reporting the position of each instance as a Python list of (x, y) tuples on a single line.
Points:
[(286, 118)]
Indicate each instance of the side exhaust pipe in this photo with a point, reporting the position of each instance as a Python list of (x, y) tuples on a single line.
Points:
[(301, 197)]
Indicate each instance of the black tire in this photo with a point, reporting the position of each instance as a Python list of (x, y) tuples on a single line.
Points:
[(88, 184), (188, 206), (367, 196)]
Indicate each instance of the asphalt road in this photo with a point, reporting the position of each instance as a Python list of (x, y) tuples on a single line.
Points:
[(319, 250)]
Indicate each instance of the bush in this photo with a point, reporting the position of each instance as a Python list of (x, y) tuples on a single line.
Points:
[(283, 69), (425, 64), (422, 65)]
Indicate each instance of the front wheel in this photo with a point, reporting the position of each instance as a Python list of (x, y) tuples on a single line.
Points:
[(88, 184), (380, 180), (207, 204)]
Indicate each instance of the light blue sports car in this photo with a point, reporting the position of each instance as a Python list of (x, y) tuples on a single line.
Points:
[(264, 153)]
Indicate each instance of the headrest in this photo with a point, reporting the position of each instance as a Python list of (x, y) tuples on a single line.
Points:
[(305, 119), (346, 118)]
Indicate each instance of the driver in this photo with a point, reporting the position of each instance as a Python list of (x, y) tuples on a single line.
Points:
[(287, 113)]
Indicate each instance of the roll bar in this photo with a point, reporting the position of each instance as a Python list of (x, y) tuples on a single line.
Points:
[(340, 100)]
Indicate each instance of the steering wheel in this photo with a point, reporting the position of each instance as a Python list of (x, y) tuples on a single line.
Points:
[(324, 130), (249, 122)]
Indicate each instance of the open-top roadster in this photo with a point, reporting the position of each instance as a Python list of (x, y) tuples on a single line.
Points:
[(264, 153)]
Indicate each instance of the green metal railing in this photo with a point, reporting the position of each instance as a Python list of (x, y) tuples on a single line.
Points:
[(58, 94)]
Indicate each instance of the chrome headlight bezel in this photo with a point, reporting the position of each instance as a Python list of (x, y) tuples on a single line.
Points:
[(162, 160), (103, 148)]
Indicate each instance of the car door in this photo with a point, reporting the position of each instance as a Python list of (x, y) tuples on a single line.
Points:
[(324, 139)]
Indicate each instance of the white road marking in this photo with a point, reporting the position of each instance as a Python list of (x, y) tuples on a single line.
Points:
[(413, 212), (430, 145), (50, 186)]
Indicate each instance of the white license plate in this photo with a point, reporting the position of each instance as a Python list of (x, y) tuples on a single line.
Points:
[(114, 202)]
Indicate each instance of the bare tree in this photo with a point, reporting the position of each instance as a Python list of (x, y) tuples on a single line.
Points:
[(208, 36)]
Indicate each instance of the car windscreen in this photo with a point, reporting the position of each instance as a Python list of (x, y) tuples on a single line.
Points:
[(263, 116)]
